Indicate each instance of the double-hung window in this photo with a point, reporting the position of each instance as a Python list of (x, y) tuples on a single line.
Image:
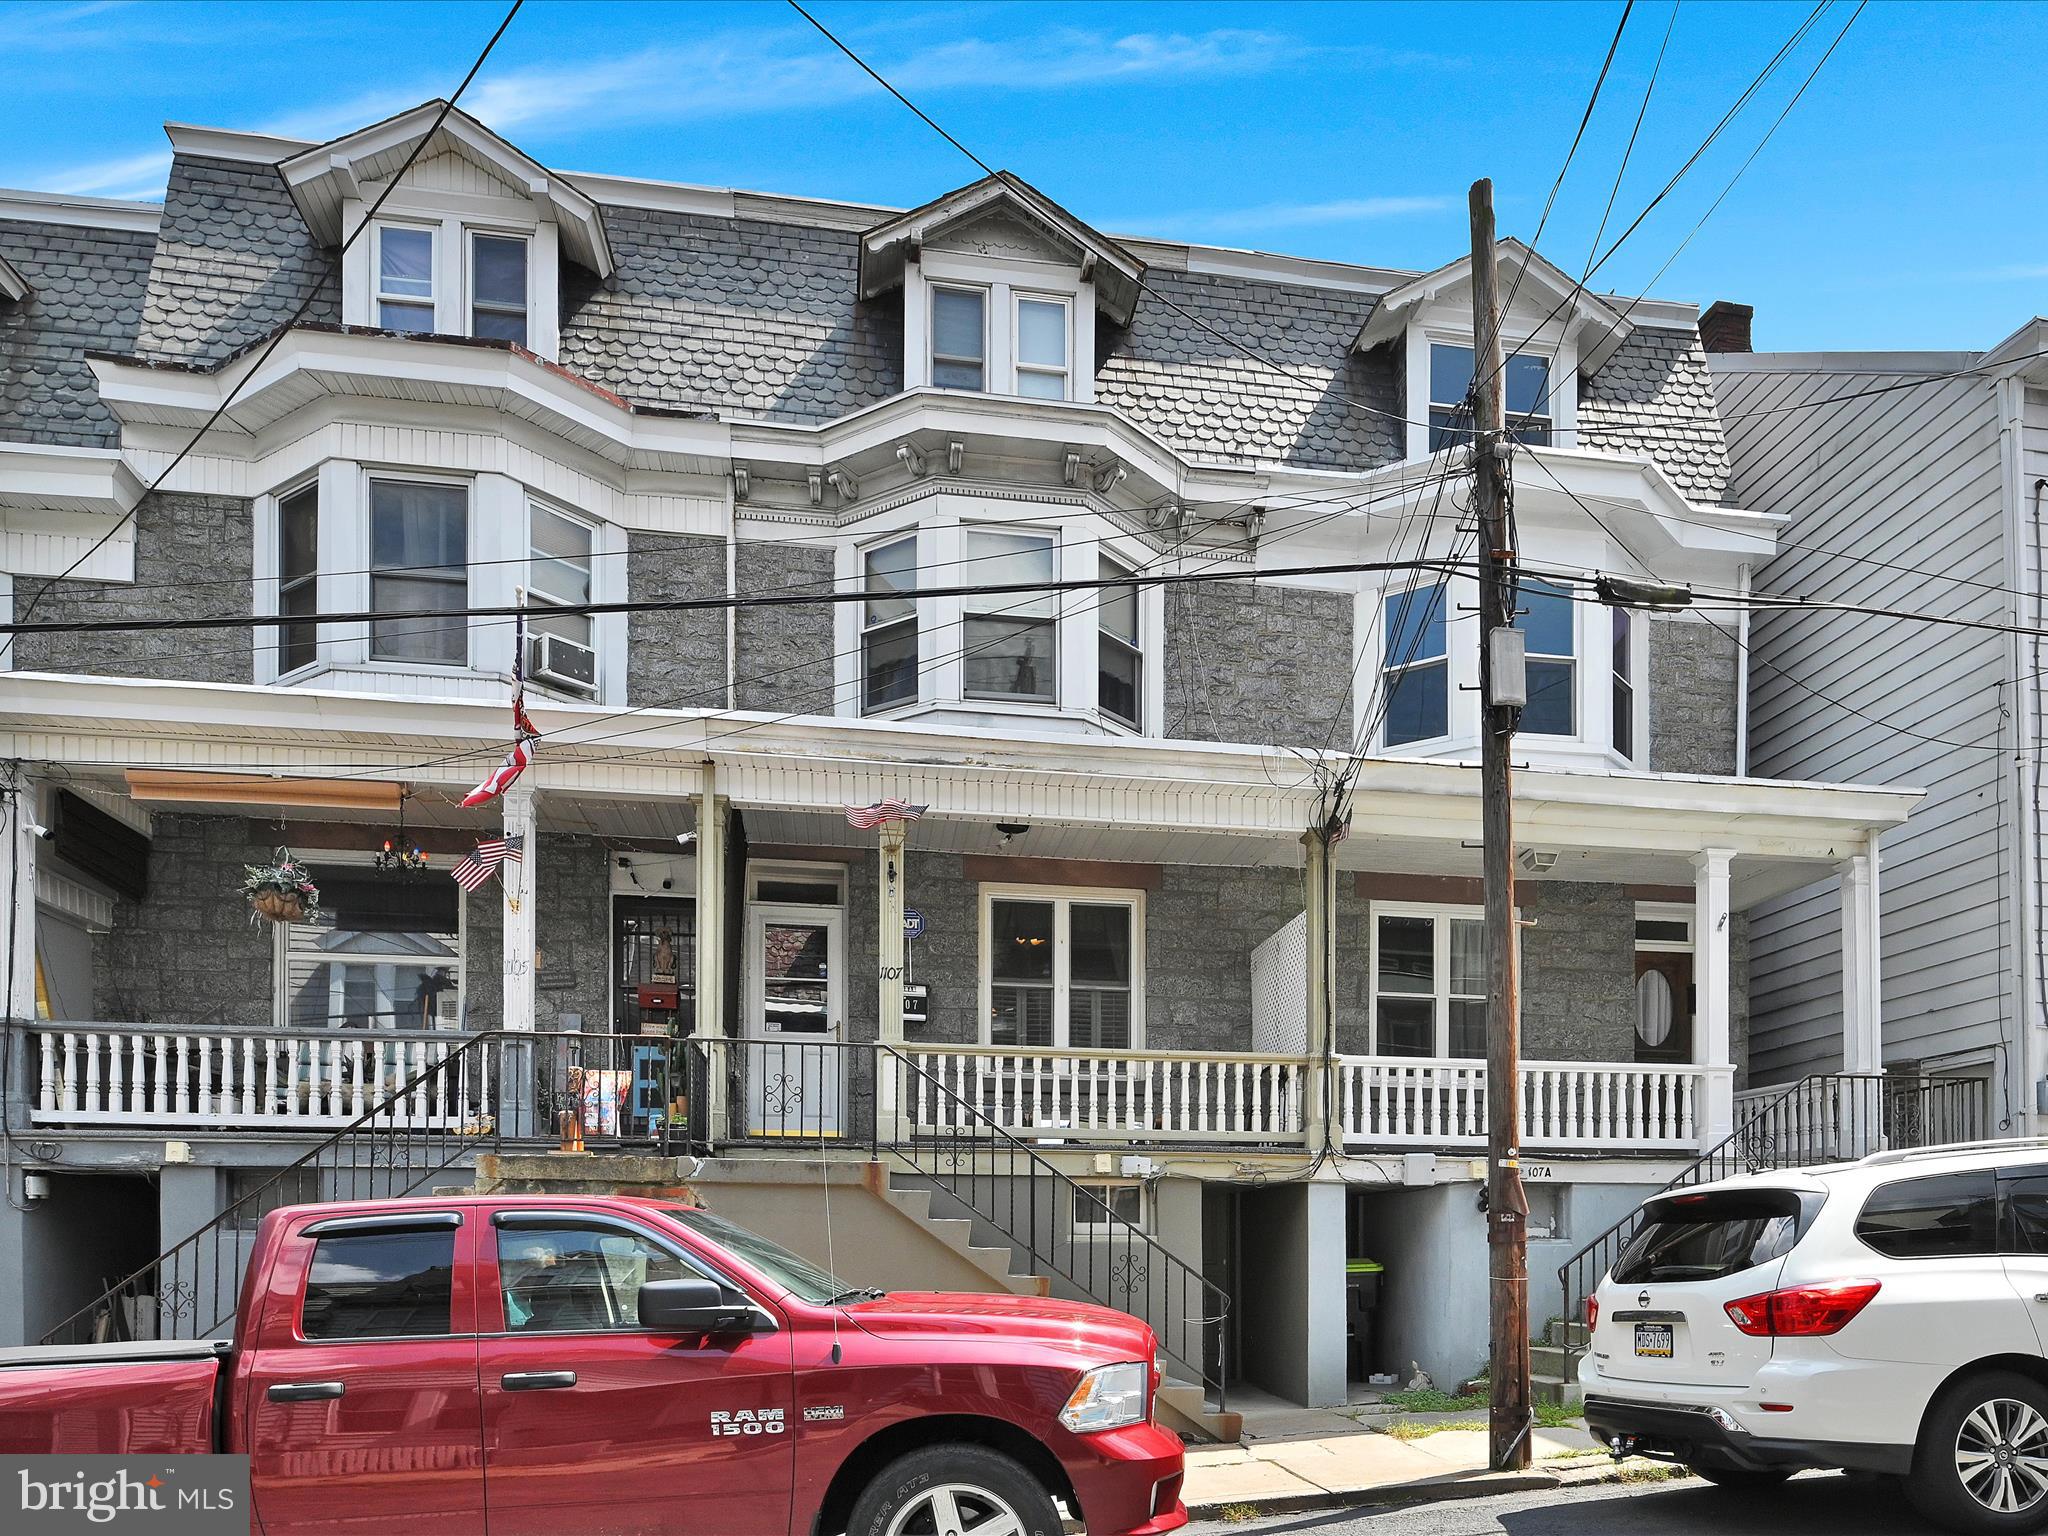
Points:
[(1415, 680), (1624, 684), (1010, 644), (888, 633), (419, 566), (558, 573), (1548, 621), (959, 338), (405, 277), (1042, 332), (1526, 380), (1429, 984), (497, 287), (1120, 665), (298, 577), (1062, 972)]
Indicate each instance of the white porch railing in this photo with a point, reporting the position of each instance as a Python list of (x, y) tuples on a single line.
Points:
[(1576, 1105), (1125, 1096), (137, 1075)]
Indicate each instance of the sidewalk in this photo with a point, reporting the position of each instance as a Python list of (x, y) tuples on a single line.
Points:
[(1310, 1458)]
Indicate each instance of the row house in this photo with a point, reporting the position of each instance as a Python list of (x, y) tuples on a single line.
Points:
[(714, 408)]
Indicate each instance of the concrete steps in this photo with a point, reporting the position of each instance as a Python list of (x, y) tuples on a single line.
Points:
[(1554, 1363), (1182, 1408), (999, 1261)]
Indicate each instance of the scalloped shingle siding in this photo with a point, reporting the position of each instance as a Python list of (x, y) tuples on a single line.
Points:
[(87, 290), (1655, 397)]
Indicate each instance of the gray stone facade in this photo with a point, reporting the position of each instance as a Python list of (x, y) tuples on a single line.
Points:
[(1695, 690), (86, 290), (675, 658), (1252, 662), (784, 656), (1578, 971), (193, 557)]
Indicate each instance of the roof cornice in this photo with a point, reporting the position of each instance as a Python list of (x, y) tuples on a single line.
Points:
[(88, 212)]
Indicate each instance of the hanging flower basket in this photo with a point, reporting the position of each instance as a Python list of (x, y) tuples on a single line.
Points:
[(281, 891)]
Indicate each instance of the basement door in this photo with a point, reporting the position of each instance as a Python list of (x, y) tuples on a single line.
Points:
[(795, 1019)]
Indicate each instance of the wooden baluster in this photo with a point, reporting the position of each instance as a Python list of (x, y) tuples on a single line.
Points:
[(69, 1100), (138, 1084), (117, 1098), (203, 1099), (250, 1102), (335, 1089), (355, 1065), (91, 1042), (224, 1098), (161, 1093)]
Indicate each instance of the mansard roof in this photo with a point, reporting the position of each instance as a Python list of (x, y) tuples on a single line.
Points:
[(322, 176), (1116, 273)]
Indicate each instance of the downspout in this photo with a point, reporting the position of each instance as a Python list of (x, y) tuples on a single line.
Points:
[(2032, 745), (2021, 1068), (1743, 576), (732, 591)]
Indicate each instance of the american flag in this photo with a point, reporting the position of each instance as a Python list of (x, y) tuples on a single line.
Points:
[(515, 763), (868, 816), (490, 853)]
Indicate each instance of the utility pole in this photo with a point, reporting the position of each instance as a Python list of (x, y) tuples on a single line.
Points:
[(1503, 690)]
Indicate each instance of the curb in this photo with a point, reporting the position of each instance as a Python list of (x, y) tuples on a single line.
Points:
[(1471, 1485)]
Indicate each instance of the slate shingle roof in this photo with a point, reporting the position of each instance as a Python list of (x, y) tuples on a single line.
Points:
[(86, 291), (1656, 397), (1207, 398), (233, 261)]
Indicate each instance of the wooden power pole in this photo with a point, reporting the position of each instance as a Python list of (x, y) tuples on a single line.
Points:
[(1503, 689)]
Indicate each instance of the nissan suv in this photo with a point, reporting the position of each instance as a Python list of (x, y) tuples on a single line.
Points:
[(1888, 1316)]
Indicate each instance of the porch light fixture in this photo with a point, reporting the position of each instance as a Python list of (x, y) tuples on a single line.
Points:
[(1537, 861), (400, 856), (1007, 830)]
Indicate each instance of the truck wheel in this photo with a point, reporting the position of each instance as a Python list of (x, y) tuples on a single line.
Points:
[(1981, 1465), (954, 1490)]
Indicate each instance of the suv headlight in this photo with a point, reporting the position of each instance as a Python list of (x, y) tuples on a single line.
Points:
[(1108, 1397)]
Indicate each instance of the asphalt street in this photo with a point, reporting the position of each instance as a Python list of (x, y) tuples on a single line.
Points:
[(1817, 1504)]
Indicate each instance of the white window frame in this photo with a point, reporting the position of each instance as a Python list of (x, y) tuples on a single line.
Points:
[(1055, 547), (1019, 297), (1445, 325), (1106, 1189), (280, 951), (1666, 912), (933, 358), (471, 233), (1576, 661), (280, 582), (1547, 418), (863, 628), (1625, 671), (819, 872), (469, 551), (541, 600), (379, 298), (1441, 996), (1062, 898), (1104, 635), (1389, 663)]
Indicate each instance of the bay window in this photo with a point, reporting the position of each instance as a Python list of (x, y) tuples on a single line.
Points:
[(1062, 970), (1415, 677), (1526, 381), (405, 278), (888, 635), (558, 572), (1624, 684), (497, 287), (419, 565), (959, 338), (1009, 639), (298, 577), (1428, 982), (1120, 664), (1042, 348), (1548, 620)]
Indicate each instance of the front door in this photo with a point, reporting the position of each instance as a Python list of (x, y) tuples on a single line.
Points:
[(795, 1019), (1663, 1006)]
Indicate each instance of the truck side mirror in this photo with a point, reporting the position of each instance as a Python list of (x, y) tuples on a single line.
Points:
[(693, 1306)]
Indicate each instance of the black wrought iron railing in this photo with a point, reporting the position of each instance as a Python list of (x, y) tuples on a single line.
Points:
[(1825, 1118), (483, 1093)]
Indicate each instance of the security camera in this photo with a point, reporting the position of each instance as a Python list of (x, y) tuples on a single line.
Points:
[(668, 885), (39, 830), (686, 838), (624, 862)]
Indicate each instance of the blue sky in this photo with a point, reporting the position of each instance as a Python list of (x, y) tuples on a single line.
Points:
[(1900, 205)]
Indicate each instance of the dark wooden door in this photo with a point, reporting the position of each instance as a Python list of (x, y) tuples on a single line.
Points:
[(1663, 1007)]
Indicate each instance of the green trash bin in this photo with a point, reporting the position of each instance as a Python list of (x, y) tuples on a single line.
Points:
[(1362, 1279)]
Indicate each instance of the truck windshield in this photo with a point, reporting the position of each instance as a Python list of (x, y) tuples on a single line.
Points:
[(799, 1276), (1704, 1237)]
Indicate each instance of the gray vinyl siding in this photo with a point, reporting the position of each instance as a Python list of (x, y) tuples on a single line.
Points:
[(1882, 494)]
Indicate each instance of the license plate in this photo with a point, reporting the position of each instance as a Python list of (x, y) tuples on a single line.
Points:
[(1653, 1340)]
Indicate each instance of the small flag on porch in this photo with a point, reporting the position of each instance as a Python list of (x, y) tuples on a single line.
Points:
[(867, 817), (490, 853)]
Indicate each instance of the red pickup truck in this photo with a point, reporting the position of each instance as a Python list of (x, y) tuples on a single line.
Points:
[(527, 1366)]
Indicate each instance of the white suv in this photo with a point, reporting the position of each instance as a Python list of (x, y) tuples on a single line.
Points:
[(1886, 1316)]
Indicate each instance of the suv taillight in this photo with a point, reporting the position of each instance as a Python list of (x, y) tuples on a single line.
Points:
[(1801, 1311), (1592, 1313)]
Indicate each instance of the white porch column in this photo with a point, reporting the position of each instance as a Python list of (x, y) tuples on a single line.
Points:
[(1862, 1010), (1711, 983), (1317, 1084), (18, 850), (519, 880), (708, 1023), (890, 836)]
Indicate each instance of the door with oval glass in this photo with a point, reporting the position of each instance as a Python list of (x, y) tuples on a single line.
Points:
[(795, 1019), (1663, 1006)]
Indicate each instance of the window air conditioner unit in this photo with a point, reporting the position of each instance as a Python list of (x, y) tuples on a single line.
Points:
[(563, 663)]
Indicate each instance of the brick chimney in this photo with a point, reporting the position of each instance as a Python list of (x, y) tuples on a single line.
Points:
[(1724, 327)]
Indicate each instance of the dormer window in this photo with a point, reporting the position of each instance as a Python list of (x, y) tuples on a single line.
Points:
[(1450, 379), (959, 338), (405, 278), (497, 287)]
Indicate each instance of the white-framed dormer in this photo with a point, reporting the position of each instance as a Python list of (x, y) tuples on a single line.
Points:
[(478, 230), (1037, 276), (1089, 659)]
